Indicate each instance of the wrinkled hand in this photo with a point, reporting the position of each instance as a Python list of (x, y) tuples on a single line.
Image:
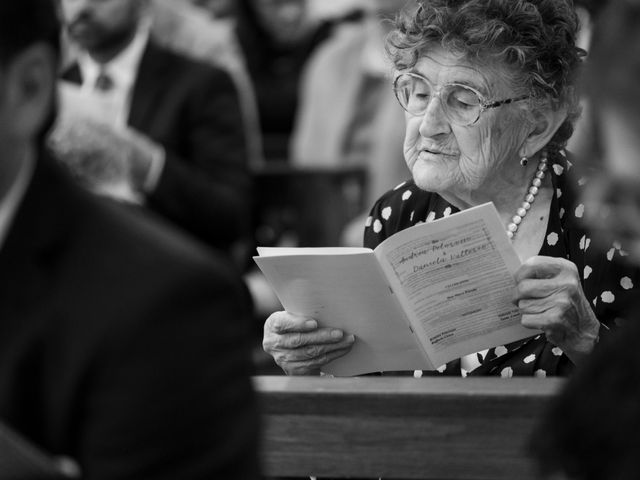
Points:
[(299, 347), (551, 299)]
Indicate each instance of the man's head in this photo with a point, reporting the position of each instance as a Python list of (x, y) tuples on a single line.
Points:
[(102, 27), (29, 50)]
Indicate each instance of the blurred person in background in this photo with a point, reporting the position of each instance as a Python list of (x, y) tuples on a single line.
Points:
[(277, 40), (123, 344), (175, 123), (592, 429), (348, 115), (189, 28)]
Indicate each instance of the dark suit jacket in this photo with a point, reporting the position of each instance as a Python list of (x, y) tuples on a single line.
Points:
[(192, 110), (122, 344)]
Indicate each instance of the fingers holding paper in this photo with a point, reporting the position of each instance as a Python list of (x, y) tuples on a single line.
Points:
[(299, 346), (550, 297)]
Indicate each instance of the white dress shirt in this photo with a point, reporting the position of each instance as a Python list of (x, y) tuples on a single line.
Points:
[(123, 71)]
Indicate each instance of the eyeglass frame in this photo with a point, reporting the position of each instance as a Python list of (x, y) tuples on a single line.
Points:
[(484, 105)]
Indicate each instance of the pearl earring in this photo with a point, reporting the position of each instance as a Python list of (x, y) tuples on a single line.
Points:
[(523, 161)]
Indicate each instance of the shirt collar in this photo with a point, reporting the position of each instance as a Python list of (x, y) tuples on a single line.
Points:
[(123, 68)]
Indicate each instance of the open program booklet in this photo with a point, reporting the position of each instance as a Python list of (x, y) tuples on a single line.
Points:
[(425, 296)]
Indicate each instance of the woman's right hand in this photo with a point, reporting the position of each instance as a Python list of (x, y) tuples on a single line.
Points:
[(299, 347)]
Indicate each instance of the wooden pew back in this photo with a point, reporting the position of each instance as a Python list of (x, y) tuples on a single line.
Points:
[(400, 428)]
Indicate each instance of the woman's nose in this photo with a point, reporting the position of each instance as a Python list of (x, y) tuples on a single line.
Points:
[(434, 120)]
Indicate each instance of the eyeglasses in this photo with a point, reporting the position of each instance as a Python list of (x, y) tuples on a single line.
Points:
[(461, 104)]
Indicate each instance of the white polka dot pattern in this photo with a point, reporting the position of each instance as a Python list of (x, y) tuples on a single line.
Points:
[(506, 372), (626, 283), (501, 350), (607, 297)]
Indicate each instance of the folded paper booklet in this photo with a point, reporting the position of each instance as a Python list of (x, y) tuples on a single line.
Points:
[(425, 296)]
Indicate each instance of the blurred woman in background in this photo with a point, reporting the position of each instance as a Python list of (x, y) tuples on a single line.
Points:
[(276, 38)]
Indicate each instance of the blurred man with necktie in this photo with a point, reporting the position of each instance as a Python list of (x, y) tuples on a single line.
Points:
[(123, 344), (178, 123)]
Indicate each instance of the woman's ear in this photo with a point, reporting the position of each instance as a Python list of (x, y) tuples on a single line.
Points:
[(30, 80), (545, 123)]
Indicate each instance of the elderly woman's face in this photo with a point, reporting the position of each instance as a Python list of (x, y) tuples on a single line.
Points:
[(447, 158)]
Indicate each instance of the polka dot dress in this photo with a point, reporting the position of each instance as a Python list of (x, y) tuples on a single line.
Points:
[(609, 283)]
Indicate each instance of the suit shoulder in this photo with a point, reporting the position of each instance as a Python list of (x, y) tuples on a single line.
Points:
[(187, 66)]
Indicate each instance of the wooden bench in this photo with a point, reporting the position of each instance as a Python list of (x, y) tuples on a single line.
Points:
[(400, 428)]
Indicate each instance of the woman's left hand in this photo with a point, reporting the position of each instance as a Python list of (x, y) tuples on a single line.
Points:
[(551, 299)]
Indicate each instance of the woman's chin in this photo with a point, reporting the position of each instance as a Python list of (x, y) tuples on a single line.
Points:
[(430, 177)]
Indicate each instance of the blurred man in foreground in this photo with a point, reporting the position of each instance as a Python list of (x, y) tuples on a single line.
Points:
[(122, 344)]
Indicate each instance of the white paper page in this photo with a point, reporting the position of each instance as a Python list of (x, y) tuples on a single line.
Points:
[(281, 251), (457, 276), (347, 291)]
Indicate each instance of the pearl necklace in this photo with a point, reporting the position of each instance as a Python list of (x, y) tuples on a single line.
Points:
[(530, 197)]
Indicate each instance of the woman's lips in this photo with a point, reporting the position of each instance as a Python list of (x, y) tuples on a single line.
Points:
[(426, 151)]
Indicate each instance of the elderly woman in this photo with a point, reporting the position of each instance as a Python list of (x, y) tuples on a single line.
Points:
[(489, 95)]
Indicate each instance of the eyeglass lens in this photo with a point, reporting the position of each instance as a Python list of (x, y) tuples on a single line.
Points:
[(461, 104)]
